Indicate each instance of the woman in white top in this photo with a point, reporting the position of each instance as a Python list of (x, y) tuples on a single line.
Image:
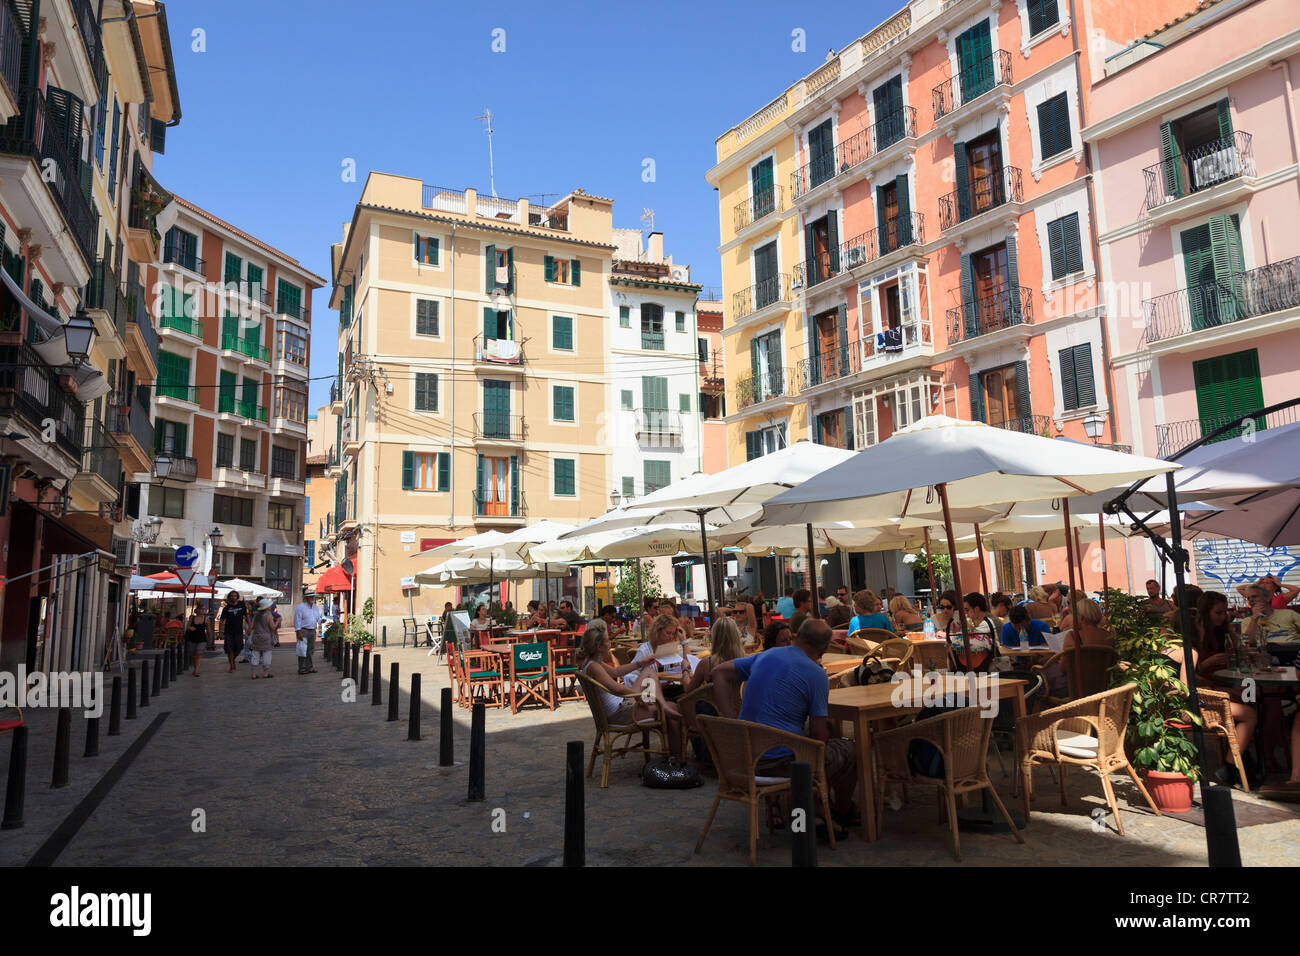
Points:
[(665, 630), (973, 649), (624, 704), (480, 626)]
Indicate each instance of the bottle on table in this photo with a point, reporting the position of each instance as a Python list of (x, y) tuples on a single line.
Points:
[(929, 628)]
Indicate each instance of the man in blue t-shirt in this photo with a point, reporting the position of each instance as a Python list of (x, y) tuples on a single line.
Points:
[(787, 687), (1022, 627), (785, 606)]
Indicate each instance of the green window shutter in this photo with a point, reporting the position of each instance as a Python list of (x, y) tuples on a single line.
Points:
[(1022, 386), (848, 427), (1171, 161), (1083, 375), (882, 223), (1225, 121), (629, 487), (1073, 244), (684, 403), (418, 247), (753, 361), (681, 322), (625, 398), (408, 470), (478, 487), (1199, 265), (444, 471), (548, 268), (489, 323), (227, 392), (1069, 381), (489, 268), (904, 211), (562, 403), (624, 317), (654, 392), (1225, 253), (1013, 280), (575, 272), (181, 442), (514, 485), (842, 320), (753, 448), (1227, 387), (963, 181), (562, 333), (809, 258), (976, 397), (564, 476), (1047, 129), (970, 318), (833, 241), (234, 267), (818, 432), (1056, 247), (510, 271), (431, 244)]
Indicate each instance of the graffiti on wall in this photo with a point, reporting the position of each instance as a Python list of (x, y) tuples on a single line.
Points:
[(1231, 562)]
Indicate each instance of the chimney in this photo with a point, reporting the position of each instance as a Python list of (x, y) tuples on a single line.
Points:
[(655, 247)]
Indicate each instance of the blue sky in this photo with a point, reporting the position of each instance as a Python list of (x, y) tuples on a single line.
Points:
[(286, 90)]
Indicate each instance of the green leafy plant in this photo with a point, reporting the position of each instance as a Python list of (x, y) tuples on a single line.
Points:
[(368, 611), (358, 631), (1161, 700), (625, 592), (921, 573)]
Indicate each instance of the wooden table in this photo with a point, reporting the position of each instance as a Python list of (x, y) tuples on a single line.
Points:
[(863, 704), (839, 663), (1043, 652)]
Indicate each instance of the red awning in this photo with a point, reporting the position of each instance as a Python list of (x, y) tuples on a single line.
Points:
[(335, 579)]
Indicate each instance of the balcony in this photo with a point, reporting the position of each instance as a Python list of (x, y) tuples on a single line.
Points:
[(973, 82), (498, 427), (336, 397), (712, 371), (776, 291), (294, 310), (1173, 436), (843, 157), (900, 233), (141, 337), (89, 27), (34, 134), (983, 194), (180, 323), (498, 351), (170, 467), (249, 348), (174, 254), (893, 129), (1028, 425), (107, 307), (100, 477), (1004, 308), (659, 428), (652, 341), (179, 393), (351, 438), (1267, 290), (758, 207), (130, 428), (31, 389), (513, 510), (148, 198), (249, 409), (252, 291), (753, 389), (1214, 163), (13, 34)]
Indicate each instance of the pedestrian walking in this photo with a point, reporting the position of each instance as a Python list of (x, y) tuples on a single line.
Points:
[(261, 638), (196, 635), (234, 625), (306, 619)]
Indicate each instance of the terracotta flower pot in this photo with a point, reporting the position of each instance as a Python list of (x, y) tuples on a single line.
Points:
[(1172, 792), (367, 647)]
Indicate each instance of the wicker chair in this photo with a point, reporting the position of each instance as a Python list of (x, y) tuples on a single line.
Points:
[(1088, 732), (1095, 663), (608, 735), (896, 652), (931, 656), (9, 724), (962, 737), (1216, 712), (873, 635), (736, 747)]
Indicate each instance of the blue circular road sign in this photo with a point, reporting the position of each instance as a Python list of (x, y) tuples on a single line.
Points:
[(186, 556)]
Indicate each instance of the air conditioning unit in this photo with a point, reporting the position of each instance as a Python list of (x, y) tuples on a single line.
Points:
[(122, 552), (857, 255), (1216, 167)]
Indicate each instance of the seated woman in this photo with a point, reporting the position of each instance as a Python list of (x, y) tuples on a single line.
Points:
[(1000, 607), (904, 614), (1038, 606), (1243, 715), (868, 614), (1190, 598), (1214, 631), (625, 700), (776, 634), (480, 626), (975, 647), (676, 667), (946, 611), (1094, 629), (725, 634)]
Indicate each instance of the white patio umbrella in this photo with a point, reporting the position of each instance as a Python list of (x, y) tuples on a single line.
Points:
[(455, 549), (476, 571), (495, 546), (248, 590)]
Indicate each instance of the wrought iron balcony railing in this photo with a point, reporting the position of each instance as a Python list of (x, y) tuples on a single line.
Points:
[(178, 467), (127, 416), (1028, 424), (1172, 436), (753, 389), (763, 203), (498, 351), (255, 291), (182, 323), (760, 295), (89, 26), (840, 159), (1204, 167), (137, 306), (499, 425), (12, 36), (104, 291), (1241, 295), (897, 126), (972, 83), (174, 252), (659, 427), (1005, 307), (900, 231), (486, 506), (38, 398), (980, 195)]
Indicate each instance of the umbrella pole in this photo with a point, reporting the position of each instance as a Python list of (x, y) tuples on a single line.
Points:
[(609, 588), (884, 568), (984, 575), (640, 599), (1079, 553), (546, 591), (812, 573), (844, 572), (491, 578), (708, 570), (1105, 581), (929, 565), (956, 579), (1074, 609)]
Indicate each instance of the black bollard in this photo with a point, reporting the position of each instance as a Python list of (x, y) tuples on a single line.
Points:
[(62, 741), (144, 683), (444, 734), (377, 697), (16, 788), (413, 722), (92, 737), (115, 708), (1221, 840), (157, 678), (342, 663), (165, 665), (477, 751), (575, 820), (178, 658), (392, 692), (130, 693), (803, 850), (383, 631), (365, 672), (170, 673), (356, 663)]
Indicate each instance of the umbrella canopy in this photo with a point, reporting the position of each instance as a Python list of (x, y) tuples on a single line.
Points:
[(793, 539), (166, 581), (248, 590), (1270, 518), (453, 549), (1255, 462), (515, 545), (477, 571), (618, 544), (980, 465)]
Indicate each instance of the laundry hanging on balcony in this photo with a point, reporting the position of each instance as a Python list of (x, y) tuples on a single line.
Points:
[(91, 383), (890, 340)]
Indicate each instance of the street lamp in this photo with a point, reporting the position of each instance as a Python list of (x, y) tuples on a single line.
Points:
[(215, 537), (79, 336), (614, 498), (162, 466), (1092, 426), (146, 530)]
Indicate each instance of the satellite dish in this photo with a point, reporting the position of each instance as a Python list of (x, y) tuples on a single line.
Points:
[(348, 567)]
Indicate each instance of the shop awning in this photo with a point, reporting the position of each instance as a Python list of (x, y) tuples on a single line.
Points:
[(334, 580)]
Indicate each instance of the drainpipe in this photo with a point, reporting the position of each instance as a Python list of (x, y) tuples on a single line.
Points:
[(451, 430), (1107, 372), (1285, 67)]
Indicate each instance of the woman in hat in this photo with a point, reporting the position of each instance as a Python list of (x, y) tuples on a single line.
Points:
[(262, 637)]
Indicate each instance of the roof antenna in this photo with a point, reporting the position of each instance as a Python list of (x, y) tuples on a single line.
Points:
[(487, 128)]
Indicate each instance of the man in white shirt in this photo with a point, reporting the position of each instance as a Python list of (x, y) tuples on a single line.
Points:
[(306, 619)]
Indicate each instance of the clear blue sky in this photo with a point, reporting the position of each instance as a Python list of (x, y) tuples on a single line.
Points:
[(286, 90)]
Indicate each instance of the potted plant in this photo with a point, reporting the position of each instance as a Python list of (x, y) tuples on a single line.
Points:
[(358, 632), (1162, 711), (332, 633)]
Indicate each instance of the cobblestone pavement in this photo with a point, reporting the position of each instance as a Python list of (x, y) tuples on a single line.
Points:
[(285, 772)]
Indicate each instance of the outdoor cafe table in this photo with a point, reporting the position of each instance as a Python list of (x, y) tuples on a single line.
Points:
[(1043, 652), (839, 663), (863, 704), (1280, 677)]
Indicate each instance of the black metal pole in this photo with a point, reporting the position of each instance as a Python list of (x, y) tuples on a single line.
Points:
[(413, 720), (356, 663), (477, 752), (812, 573), (803, 849), (62, 741), (130, 693), (393, 691), (157, 678), (144, 683), (575, 822), (92, 737), (365, 672), (16, 785), (444, 730), (165, 665), (115, 708), (384, 636), (377, 694)]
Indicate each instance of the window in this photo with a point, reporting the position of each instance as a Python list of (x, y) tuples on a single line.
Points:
[(1198, 151), (683, 403), (762, 190), (652, 326), (311, 553), (426, 250), (182, 248), (680, 319), (629, 487), (497, 325), (821, 152), (1054, 126), (426, 472), (227, 509), (625, 398), (566, 271), (101, 114), (284, 463), (562, 402), (624, 317), (291, 343), (279, 572), (166, 502), (290, 403), (225, 450), (1076, 377), (1042, 15), (764, 441), (247, 454), (702, 349), (171, 438), (234, 271), (656, 475), (821, 254), (1227, 387), (562, 333), (890, 123), (564, 477), (1063, 246), (289, 300), (426, 391), (426, 317), (1000, 396), (279, 516), (112, 153), (174, 376)]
